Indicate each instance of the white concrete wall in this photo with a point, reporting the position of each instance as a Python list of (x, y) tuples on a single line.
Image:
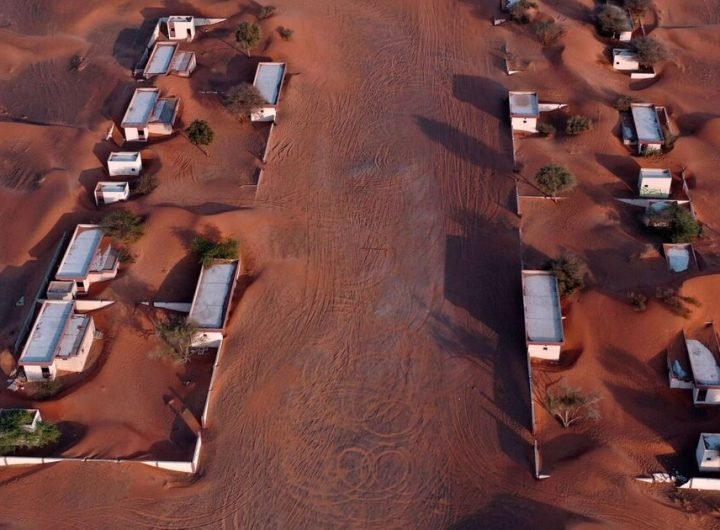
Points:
[(712, 398), (524, 124), (160, 129), (34, 373), (701, 483), (549, 352), (642, 147), (654, 187), (120, 168), (207, 339), (625, 36), (109, 197), (625, 65), (132, 134), (264, 114), (181, 29), (643, 75), (76, 363)]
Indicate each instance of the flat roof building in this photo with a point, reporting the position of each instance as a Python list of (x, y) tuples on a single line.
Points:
[(697, 366), (111, 192), (647, 127), (124, 163), (654, 183), (59, 340), (708, 452), (543, 315), (211, 303), (625, 60), (148, 114), (268, 80), (89, 258), (168, 58), (524, 111)]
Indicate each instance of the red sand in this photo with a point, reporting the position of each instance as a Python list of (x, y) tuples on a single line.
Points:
[(375, 372)]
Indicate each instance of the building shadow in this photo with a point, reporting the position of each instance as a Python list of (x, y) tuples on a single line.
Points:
[(483, 93), (512, 512)]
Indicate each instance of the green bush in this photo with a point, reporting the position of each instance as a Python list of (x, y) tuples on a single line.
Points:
[(546, 129), (242, 100), (265, 12), (15, 435), (548, 32), (176, 334), (649, 51), (553, 179), (200, 133), (248, 35), (520, 11), (613, 20), (570, 272), (285, 33), (577, 124), (145, 185), (209, 250), (623, 103), (123, 225)]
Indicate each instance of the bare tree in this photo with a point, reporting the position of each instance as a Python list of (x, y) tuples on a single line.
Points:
[(570, 405), (242, 100)]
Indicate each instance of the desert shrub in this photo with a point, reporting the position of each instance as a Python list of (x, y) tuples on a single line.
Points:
[(623, 103), (649, 51), (676, 303), (14, 435), (265, 12), (200, 133), (675, 223), (44, 389), (612, 20), (571, 405), (553, 179), (638, 7), (125, 256), (285, 33), (145, 185), (638, 301), (123, 225), (177, 334), (209, 250), (520, 11), (577, 124), (546, 129), (570, 272), (548, 32), (248, 35), (242, 100)]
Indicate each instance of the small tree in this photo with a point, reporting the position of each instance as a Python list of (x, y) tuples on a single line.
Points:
[(613, 20), (520, 11), (570, 405), (243, 99), (15, 432), (623, 103), (200, 133), (570, 272), (649, 51), (577, 124), (548, 32), (209, 250), (676, 303), (177, 334), (285, 33), (638, 301), (675, 223), (248, 35), (553, 179), (123, 225), (638, 7), (265, 12)]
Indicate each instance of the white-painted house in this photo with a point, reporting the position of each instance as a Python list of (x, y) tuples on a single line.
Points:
[(524, 111), (167, 58), (211, 302), (88, 259), (181, 28), (60, 340), (648, 130), (269, 79), (124, 164), (694, 363), (149, 114), (654, 183), (708, 452), (111, 192), (543, 315), (625, 60)]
